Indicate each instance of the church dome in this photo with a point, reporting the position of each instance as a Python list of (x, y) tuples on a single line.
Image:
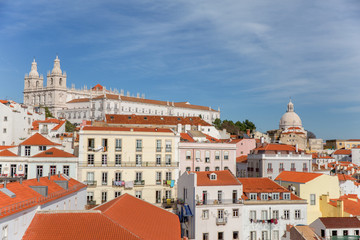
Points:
[(290, 118)]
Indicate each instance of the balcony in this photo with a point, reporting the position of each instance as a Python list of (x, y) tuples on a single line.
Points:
[(293, 169), (218, 202), (128, 164), (158, 149), (221, 221), (158, 182), (168, 149), (139, 182), (168, 202), (139, 149), (118, 183), (91, 202), (91, 183), (269, 170), (168, 182), (281, 169), (118, 149)]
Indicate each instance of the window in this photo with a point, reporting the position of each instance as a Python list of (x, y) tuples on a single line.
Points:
[(91, 144), (205, 236), (138, 194), (4, 130), (217, 168), (304, 167), (235, 235), (275, 235), (220, 235), (52, 170), (168, 194), (275, 214), (168, 160), (118, 176), (226, 155), (39, 170), (66, 170), (275, 196), (264, 215), (286, 214), (286, 196), (197, 156), (253, 214), (253, 196), (168, 176), (264, 235), (42, 148), (158, 178), (118, 159), (118, 144), (219, 196), (235, 212), (217, 155), (357, 232), (103, 197), (269, 167), (5, 118), (104, 159), (5, 232), (345, 233), (90, 159), (27, 150), (138, 145), (207, 156), (197, 169), (297, 214), (293, 167), (158, 145), (253, 235), (138, 176), (264, 196), (104, 178), (138, 159), (322, 232), (188, 169), (158, 196), (281, 168), (104, 144), (168, 146), (312, 199), (90, 178), (158, 159), (334, 233), (117, 194), (188, 155)]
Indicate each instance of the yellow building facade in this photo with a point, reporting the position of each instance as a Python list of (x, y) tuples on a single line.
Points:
[(142, 162)]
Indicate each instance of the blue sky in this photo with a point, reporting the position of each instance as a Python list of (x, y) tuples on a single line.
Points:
[(246, 57)]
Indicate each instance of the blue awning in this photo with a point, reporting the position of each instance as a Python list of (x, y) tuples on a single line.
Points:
[(187, 212)]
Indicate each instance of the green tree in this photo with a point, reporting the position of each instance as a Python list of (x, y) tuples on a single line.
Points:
[(217, 123), (48, 114), (69, 127)]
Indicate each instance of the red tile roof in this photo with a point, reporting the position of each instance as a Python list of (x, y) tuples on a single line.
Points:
[(344, 177), (7, 153), (54, 152), (123, 129), (272, 147), (6, 147), (298, 177), (263, 185), (184, 137), (84, 225), (58, 126), (30, 198), (242, 159), (351, 204), (38, 140), (342, 152), (154, 120), (79, 100), (35, 124), (340, 222), (316, 155), (141, 218), (224, 177), (97, 87)]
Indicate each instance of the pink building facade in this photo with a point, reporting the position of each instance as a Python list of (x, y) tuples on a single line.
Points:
[(244, 146)]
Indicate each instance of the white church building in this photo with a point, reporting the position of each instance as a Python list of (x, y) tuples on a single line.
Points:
[(92, 104)]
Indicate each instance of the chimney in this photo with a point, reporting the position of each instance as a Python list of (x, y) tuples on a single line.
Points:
[(59, 174), (49, 176), (5, 183), (38, 177), (21, 180), (179, 127)]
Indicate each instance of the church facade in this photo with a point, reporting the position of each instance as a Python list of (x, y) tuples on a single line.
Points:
[(77, 105)]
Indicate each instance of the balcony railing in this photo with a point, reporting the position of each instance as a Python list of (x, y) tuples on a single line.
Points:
[(221, 221), (218, 202), (129, 164), (269, 170), (158, 182), (139, 182), (91, 202), (293, 169), (168, 149), (281, 169), (168, 202), (139, 149), (158, 149), (91, 183)]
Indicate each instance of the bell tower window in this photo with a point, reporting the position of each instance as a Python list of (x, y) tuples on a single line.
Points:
[(60, 81), (51, 81)]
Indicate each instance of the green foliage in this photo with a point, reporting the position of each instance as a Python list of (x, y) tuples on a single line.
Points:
[(48, 114), (69, 127), (234, 128)]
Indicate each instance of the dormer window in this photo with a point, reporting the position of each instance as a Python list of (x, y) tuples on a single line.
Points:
[(275, 196), (264, 196), (253, 196), (286, 196), (213, 176)]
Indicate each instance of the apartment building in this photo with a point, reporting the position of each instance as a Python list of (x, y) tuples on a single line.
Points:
[(268, 208), (212, 204), (269, 160), (142, 162)]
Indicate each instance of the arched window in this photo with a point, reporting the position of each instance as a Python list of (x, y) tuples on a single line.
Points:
[(207, 169), (51, 81), (188, 169), (197, 169), (60, 82), (37, 83)]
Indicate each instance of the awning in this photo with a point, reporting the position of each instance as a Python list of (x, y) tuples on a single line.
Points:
[(187, 211)]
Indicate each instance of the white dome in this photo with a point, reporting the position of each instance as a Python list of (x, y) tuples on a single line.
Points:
[(290, 118)]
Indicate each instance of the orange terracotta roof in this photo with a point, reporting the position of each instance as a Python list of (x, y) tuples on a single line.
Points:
[(340, 222), (4, 101), (344, 177), (294, 128), (276, 147), (154, 120), (353, 140), (25, 194), (263, 185), (184, 137), (58, 126), (342, 152), (242, 159), (223, 178), (7, 153), (211, 139), (97, 87), (54, 152), (141, 218), (6, 147), (123, 129), (298, 177), (79, 100), (38, 140), (315, 155), (84, 225)]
